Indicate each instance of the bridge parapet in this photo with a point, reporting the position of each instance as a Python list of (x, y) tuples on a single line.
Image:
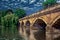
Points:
[(42, 12)]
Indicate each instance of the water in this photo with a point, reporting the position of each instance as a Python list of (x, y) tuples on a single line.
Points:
[(9, 35)]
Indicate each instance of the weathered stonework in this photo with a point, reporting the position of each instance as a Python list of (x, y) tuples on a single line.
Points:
[(49, 16)]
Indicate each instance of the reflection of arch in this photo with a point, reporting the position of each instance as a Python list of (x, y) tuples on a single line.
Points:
[(56, 24), (40, 25), (58, 38)]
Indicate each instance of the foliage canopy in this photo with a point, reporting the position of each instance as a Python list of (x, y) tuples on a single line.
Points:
[(20, 13), (49, 3)]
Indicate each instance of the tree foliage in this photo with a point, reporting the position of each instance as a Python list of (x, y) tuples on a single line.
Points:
[(9, 24), (9, 20), (20, 13), (2, 13), (49, 3)]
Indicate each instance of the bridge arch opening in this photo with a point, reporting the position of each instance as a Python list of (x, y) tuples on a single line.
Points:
[(22, 26), (27, 28), (56, 25), (27, 23), (39, 23), (40, 26), (56, 29)]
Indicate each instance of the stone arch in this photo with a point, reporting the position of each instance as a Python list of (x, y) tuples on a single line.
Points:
[(40, 25), (56, 24), (27, 23), (56, 28), (38, 18), (27, 28), (55, 20)]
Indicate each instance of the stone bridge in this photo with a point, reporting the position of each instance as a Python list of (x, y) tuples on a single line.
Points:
[(43, 25)]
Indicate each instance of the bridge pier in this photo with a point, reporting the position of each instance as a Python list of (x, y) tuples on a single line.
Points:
[(32, 35), (48, 32)]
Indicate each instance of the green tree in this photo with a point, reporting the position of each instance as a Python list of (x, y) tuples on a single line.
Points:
[(49, 3), (2, 13), (20, 13), (5, 12), (9, 24)]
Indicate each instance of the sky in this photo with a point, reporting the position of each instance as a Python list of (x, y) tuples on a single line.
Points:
[(30, 6)]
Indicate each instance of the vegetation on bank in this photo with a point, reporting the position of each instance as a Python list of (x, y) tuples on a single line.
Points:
[(9, 23)]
